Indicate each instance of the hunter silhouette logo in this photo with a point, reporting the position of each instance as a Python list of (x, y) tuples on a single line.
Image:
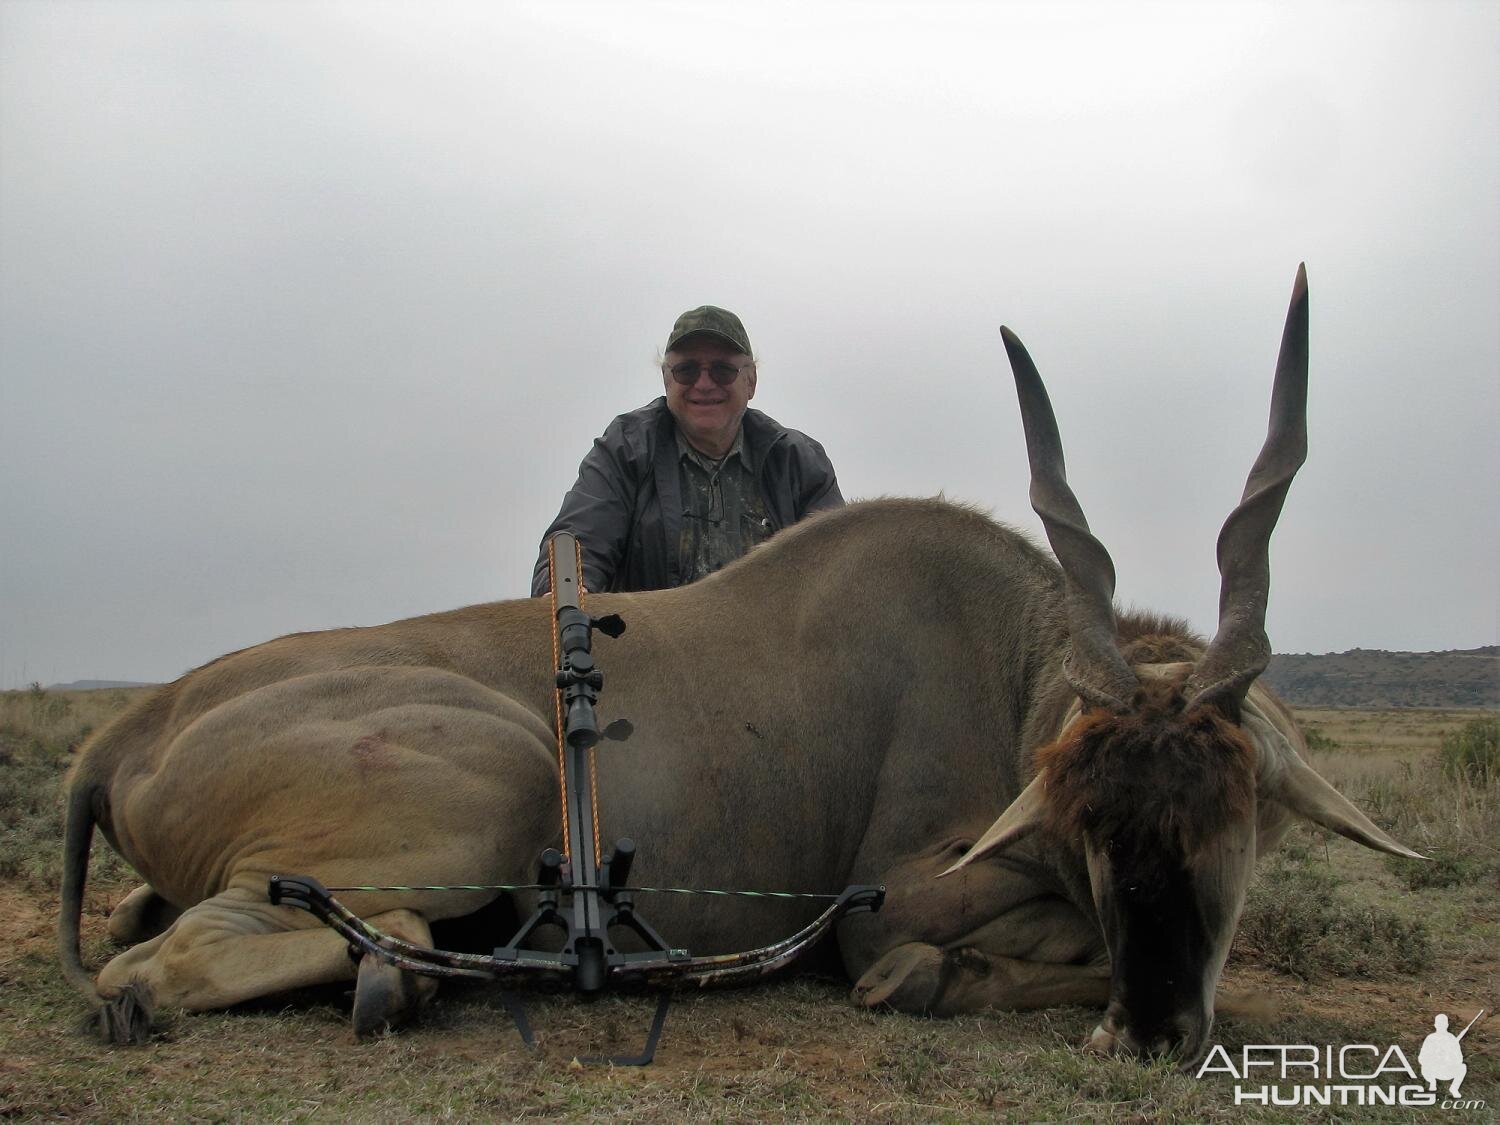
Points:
[(1303, 1074), (1442, 1059)]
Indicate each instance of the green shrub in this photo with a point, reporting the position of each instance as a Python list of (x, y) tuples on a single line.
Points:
[(1297, 847), (1472, 753), (1298, 922), (1446, 865), (1317, 740)]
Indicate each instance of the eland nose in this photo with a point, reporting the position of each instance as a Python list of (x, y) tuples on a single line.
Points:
[(1185, 1044)]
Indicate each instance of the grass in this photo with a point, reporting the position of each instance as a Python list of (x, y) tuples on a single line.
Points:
[(38, 732), (1441, 798), (796, 1049), (1298, 922), (31, 818), (1472, 753), (60, 719)]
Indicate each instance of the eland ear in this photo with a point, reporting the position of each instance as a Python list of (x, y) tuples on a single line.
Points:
[(1308, 795), (1023, 817)]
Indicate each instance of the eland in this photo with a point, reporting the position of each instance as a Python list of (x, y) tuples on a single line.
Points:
[(854, 701)]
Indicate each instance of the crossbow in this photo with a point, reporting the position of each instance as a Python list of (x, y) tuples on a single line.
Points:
[(585, 897)]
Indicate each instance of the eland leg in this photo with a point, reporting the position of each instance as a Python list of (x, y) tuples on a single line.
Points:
[(142, 915), (992, 935), (924, 979), (236, 947)]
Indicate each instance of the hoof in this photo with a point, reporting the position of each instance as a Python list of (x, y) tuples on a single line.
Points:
[(125, 1018), (1102, 1042), (908, 978), (386, 997)]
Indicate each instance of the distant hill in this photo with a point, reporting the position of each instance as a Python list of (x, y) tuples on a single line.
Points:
[(95, 685), (1365, 677)]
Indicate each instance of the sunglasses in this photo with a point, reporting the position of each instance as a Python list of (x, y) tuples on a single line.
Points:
[(721, 372)]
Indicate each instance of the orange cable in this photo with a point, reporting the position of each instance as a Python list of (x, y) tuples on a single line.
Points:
[(557, 696)]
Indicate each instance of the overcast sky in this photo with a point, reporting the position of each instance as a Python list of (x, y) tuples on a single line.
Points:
[(308, 311)]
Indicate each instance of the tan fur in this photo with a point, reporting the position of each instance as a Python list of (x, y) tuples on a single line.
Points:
[(852, 702), (795, 728)]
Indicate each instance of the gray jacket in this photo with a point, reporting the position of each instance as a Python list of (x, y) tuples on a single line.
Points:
[(626, 506)]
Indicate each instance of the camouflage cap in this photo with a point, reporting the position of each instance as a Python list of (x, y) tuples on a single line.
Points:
[(712, 321)]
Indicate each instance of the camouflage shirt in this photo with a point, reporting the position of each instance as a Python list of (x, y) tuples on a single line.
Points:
[(723, 513), (626, 507)]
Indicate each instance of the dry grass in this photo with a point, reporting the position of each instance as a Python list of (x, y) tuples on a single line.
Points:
[(1392, 769), (39, 719), (1390, 735), (795, 1050)]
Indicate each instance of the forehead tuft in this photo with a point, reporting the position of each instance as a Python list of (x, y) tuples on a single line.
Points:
[(1156, 778)]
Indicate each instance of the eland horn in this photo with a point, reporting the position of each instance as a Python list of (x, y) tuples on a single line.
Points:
[(1021, 817), (1240, 649), (1094, 667)]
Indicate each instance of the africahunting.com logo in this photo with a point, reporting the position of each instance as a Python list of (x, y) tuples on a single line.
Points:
[(1306, 1074)]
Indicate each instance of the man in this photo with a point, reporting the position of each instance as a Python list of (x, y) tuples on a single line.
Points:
[(687, 484)]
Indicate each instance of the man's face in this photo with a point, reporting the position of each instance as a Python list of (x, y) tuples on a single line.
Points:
[(708, 414)]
